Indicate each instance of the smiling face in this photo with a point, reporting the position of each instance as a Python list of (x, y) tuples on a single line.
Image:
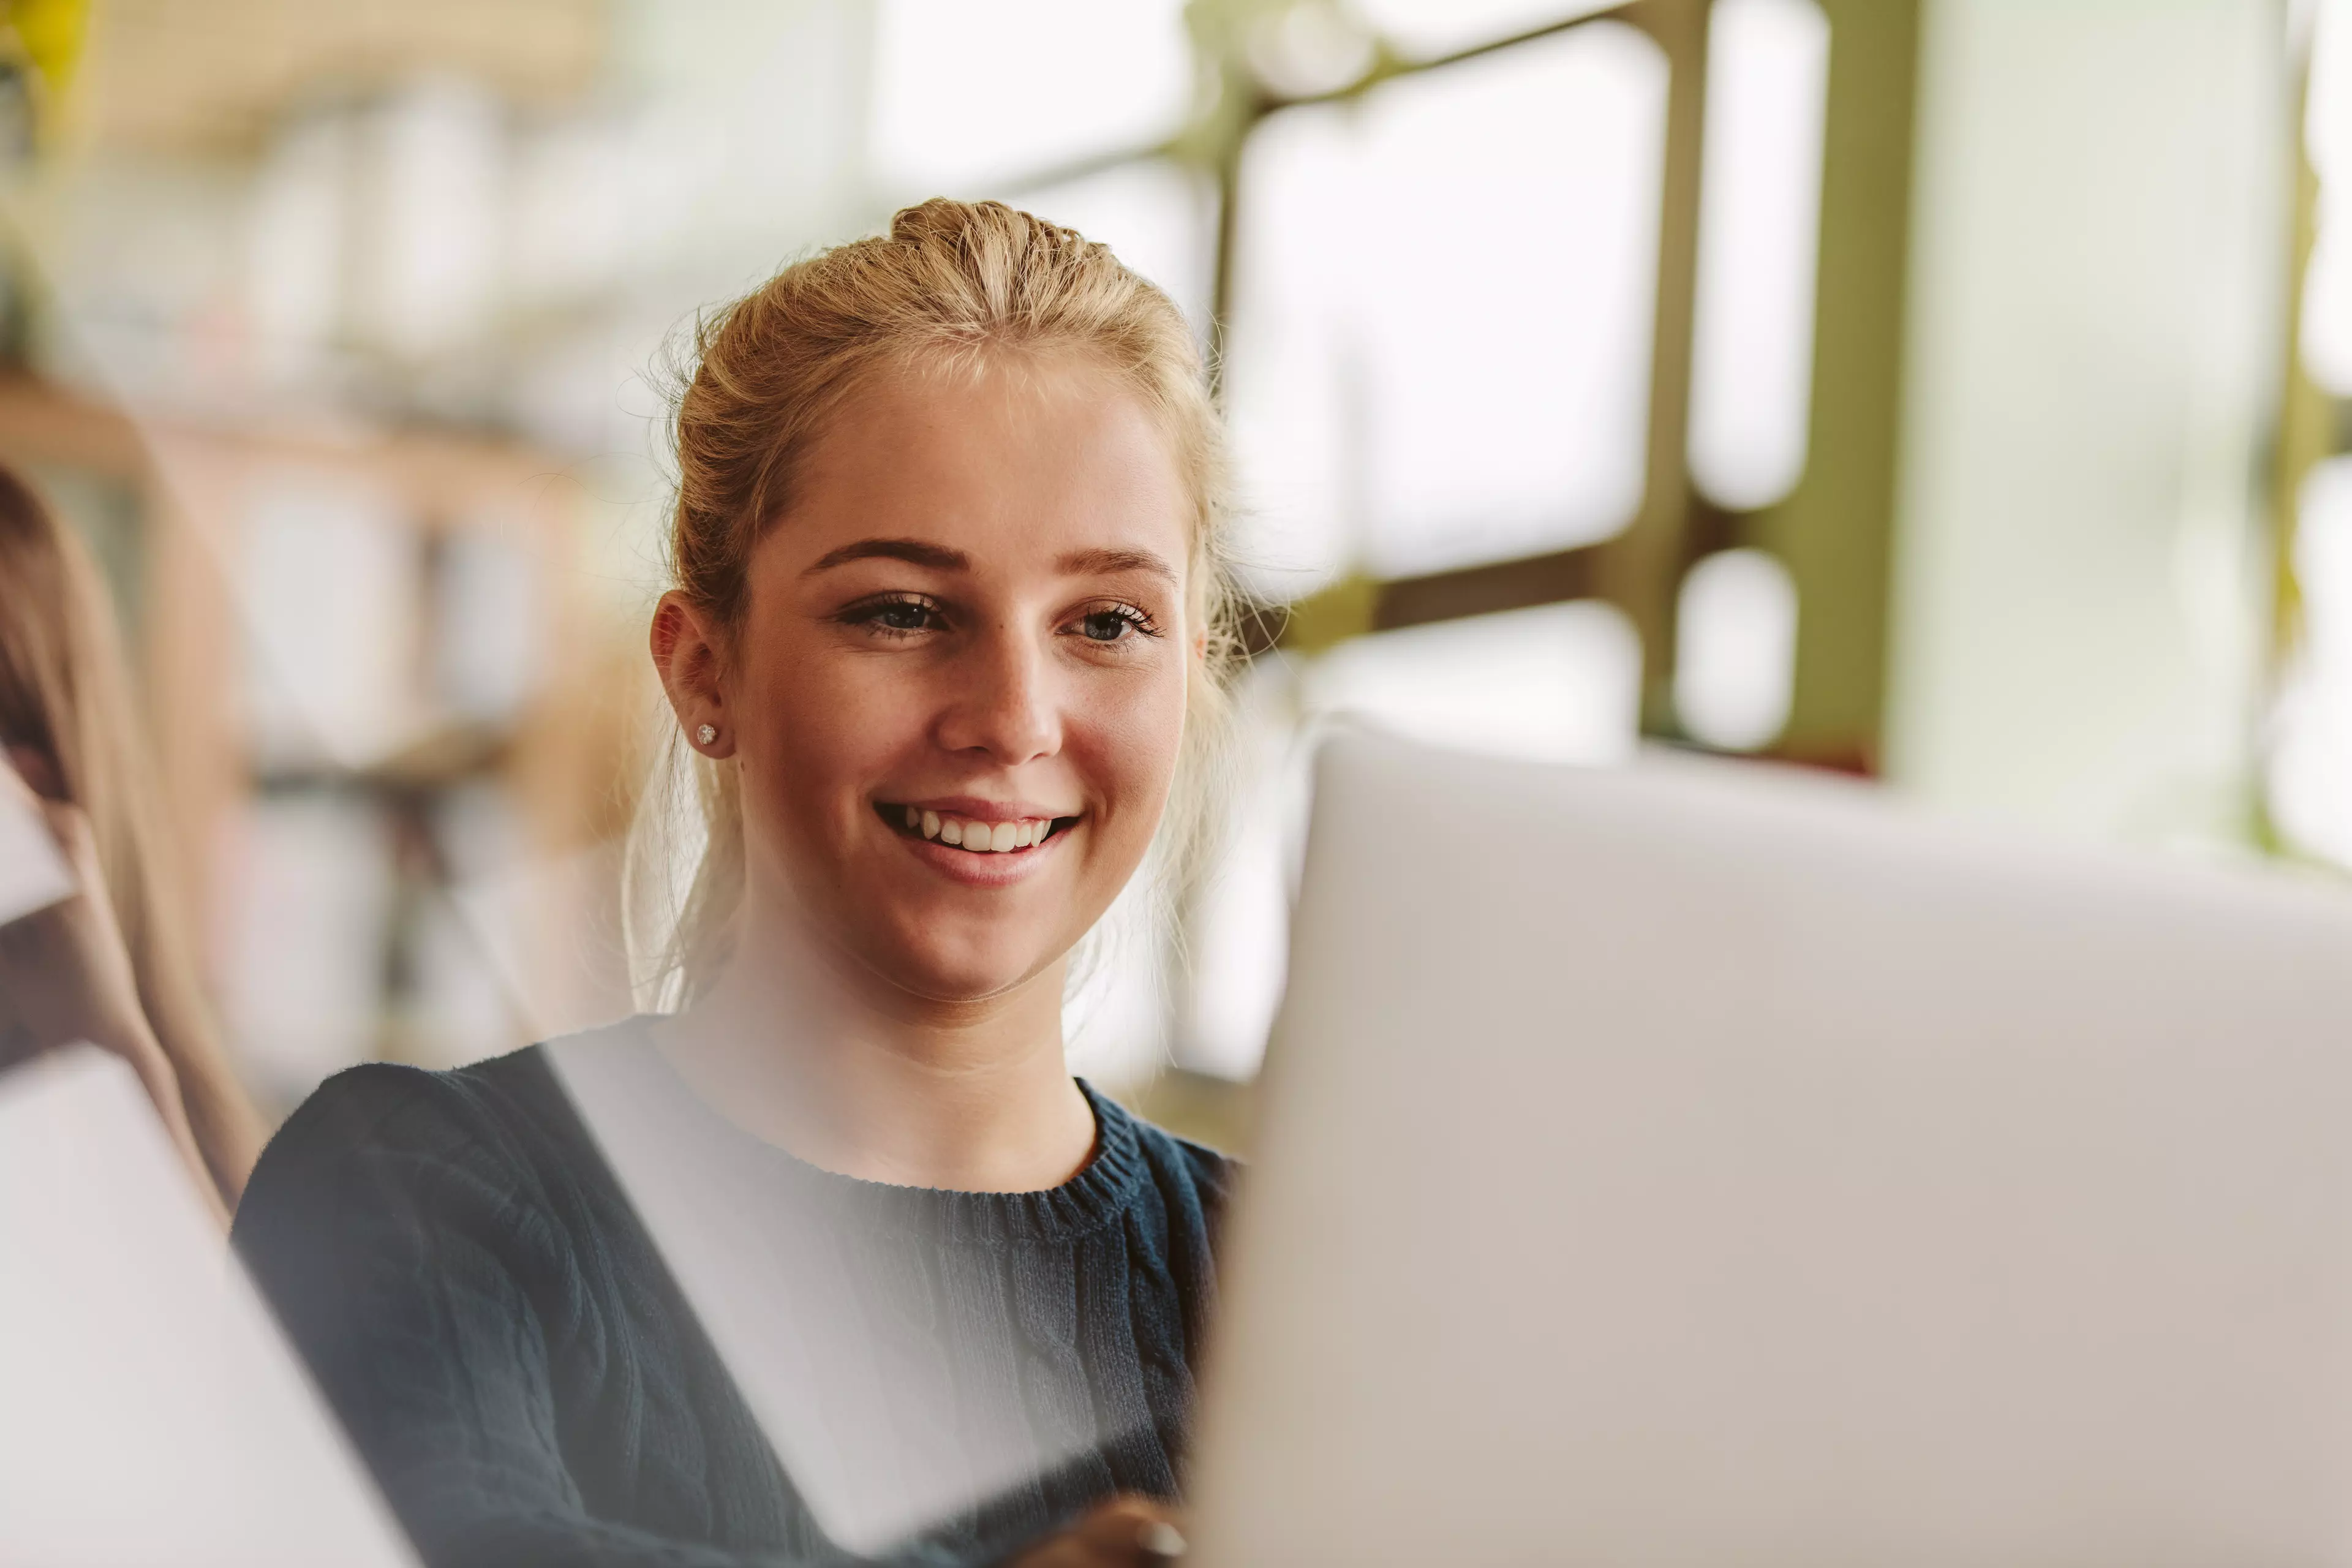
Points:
[(972, 628)]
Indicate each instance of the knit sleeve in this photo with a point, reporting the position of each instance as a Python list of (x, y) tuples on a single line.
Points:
[(410, 1256)]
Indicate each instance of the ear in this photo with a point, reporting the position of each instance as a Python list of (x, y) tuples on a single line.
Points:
[(688, 656)]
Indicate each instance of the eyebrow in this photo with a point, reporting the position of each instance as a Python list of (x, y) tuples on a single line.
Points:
[(921, 553), (911, 550), (1080, 562)]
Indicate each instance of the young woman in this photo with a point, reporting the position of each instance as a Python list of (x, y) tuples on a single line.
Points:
[(837, 1258), (113, 965)]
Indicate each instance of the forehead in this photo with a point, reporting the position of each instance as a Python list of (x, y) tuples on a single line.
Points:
[(1012, 456)]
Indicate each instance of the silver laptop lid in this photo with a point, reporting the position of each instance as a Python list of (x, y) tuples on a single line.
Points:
[(1692, 1165)]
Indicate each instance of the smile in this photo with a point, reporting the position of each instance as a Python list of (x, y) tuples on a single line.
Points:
[(966, 834)]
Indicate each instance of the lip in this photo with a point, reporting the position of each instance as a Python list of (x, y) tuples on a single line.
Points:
[(983, 870)]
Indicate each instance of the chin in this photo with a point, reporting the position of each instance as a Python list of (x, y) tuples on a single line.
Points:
[(944, 971), (951, 984)]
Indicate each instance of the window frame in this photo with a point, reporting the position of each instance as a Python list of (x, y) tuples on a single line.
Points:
[(1832, 532)]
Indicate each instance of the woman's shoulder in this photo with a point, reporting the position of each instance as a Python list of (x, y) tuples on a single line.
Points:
[(390, 1104), (505, 1121), (1205, 1166), (1174, 1160)]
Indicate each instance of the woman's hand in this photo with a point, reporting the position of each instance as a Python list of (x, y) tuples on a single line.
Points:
[(65, 974), (1125, 1532)]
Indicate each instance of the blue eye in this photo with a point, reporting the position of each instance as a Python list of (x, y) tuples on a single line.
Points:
[(1112, 623), (894, 618)]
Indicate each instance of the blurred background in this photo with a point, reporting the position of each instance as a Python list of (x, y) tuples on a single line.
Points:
[(1947, 392)]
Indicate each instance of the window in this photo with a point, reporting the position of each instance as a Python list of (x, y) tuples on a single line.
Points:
[(1444, 312), (2309, 765), (1759, 221), (965, 94)]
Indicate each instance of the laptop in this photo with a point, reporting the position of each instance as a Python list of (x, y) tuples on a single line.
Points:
[(1696, 1164), (150, 1411)]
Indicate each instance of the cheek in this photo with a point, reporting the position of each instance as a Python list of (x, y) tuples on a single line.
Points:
[(1134, 737), (810, 728)]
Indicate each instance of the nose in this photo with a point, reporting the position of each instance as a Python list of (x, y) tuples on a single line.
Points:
[(1004, 702)]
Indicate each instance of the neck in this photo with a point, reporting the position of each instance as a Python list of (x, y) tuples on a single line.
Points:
[(868, 1081)]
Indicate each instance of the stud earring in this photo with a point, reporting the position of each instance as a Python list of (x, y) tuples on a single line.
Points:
[(707, 733)]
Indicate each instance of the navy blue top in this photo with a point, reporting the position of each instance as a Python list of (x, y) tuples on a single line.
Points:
[(487, 1311)]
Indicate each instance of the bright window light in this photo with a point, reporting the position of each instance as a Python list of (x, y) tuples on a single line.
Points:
[(1759, 225), (1312, 47), (1507, 297), (1736, 649), (1422, 28), (2327, 142), (1556, 683), (1294, 414), (1160, 217), (966, 93), (1440, 353), (2311, 766)]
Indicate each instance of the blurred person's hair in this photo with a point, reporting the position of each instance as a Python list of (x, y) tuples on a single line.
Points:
[(954, 287), (65, 696)]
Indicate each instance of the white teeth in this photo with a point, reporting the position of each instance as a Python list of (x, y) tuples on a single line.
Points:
[(979, 837)]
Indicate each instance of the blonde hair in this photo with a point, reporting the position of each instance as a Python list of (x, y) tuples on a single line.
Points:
[(64, 695), (952, 285)]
